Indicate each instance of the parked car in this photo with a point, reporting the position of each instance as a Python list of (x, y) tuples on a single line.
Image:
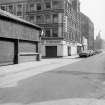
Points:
[(84, 53), (91, 52), (98, 51)]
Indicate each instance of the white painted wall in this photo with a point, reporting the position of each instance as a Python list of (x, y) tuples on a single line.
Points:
[(59, 50), (62, 50), (73, 50), (65, 50)]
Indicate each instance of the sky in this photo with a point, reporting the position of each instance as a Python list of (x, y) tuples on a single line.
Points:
[(95, 10)]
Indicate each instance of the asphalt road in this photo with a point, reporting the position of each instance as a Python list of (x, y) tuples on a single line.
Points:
[(83, 79)]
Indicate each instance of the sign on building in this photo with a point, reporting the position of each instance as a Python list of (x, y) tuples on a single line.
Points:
[(65, 23)]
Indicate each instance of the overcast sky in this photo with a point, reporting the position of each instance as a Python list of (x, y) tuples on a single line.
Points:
[(95, 10)]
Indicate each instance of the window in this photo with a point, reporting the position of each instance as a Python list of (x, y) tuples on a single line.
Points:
[(47, 33), (48, 5), (19, 13), (48, 19), (39, 19), (32, 7), (10, 8), (31, 18), (55, 32), (55, 4), (19, 6), (55, 18), (38, 6), (71, 36), (3, 8), (19, 10)]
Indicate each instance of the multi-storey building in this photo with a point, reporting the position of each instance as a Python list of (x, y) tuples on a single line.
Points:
[(87, 32), (60, 20)]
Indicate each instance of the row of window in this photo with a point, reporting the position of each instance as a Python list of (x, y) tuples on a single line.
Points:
[(73, 36), (17, 10), (51, 32), (46, 5), (32, 6), (54, 33), (43, 18)]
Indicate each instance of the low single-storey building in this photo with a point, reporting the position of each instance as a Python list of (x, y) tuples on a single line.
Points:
[(19, 39)]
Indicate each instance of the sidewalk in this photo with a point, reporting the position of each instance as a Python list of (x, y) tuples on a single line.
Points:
[(28, 65), (10, 75), (74, 101)]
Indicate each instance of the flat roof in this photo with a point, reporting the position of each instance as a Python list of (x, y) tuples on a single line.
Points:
[(17, 19)]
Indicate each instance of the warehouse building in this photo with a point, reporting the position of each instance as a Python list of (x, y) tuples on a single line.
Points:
[(19, 40)]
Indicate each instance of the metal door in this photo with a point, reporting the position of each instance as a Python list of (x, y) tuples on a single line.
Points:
[(6, 52), (51, 51)]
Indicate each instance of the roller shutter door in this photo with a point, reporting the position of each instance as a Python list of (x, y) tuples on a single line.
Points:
[(51, 51), (27, 51), (6, 52)]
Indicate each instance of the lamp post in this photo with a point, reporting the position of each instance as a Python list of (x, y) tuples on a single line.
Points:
[(39, 45)]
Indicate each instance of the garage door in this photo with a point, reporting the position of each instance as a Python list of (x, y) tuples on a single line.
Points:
[(6, 52), (27, 51), (51, 51)]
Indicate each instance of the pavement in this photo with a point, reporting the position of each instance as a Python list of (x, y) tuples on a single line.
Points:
[(66, 102), (11, 74), (28, 65), (76, 101)]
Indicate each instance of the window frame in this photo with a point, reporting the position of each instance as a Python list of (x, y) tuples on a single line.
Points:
[(38, 4), (55, 31), (49, 6)]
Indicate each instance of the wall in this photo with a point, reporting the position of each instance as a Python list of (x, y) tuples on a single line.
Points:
[(73, 50), (10, 29), (59, 50), (22, 39), (65, 50)]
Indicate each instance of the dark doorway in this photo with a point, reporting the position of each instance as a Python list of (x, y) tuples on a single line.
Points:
[(51, 51), (69, 51)]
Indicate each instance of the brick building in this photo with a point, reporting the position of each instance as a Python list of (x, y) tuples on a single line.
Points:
[(19, 40), (87, 31), (59, 19)]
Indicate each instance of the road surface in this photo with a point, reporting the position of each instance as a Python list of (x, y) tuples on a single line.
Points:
[(82, 79)]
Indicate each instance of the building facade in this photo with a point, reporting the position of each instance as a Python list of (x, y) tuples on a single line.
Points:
[(19, 40), (59, 19), (87, 32)]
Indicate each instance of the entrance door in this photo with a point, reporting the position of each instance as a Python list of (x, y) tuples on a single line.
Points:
[(6, 52), (51, 51), (69, 51)]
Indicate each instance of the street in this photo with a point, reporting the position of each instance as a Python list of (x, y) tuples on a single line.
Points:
[(83, 79)]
